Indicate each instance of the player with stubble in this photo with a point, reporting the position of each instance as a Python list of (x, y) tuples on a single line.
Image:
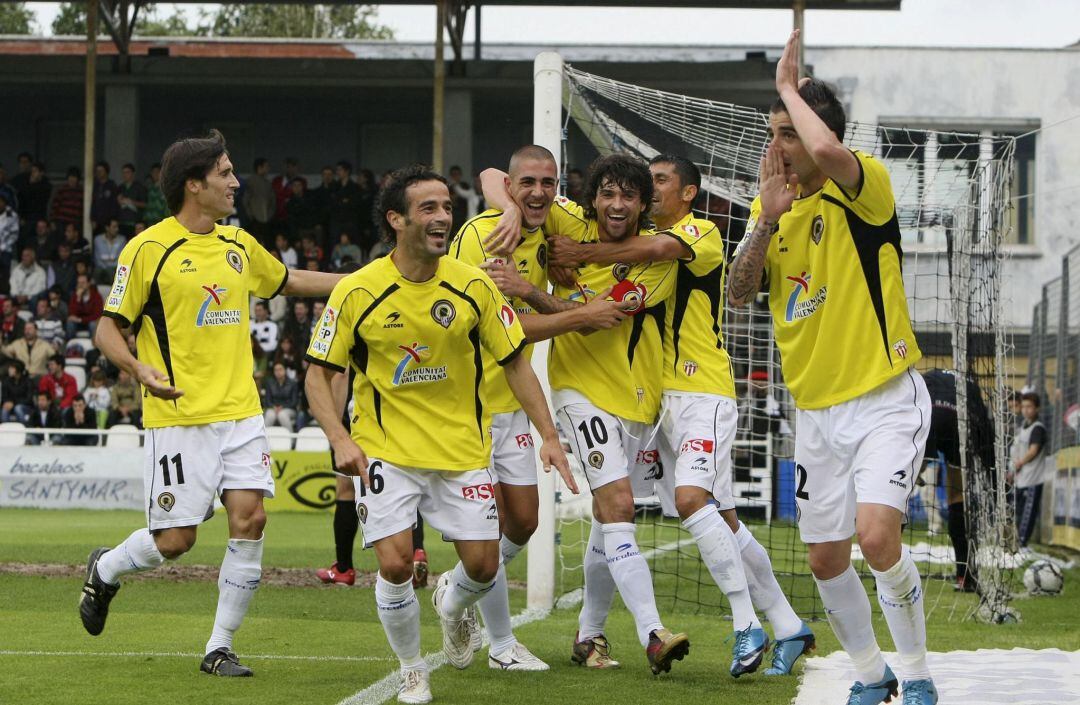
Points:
[(823, 239), (412, 326), (184, 286)]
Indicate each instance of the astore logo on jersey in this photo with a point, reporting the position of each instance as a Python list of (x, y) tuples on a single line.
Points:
[(208, 316), (187, 267), (800, 304), (392, 320), (415, 354)]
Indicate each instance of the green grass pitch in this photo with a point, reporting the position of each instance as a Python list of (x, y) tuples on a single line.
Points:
[(326, 642)]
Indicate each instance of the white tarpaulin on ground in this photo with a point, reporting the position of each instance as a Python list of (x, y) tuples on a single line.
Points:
[(69, 477), (1016, 677)]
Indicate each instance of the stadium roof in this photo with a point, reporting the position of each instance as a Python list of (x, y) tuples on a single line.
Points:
[(710, 4)]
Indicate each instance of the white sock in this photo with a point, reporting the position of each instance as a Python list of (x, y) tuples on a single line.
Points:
[(463, 593), (599, 587), (848, 609), (631, 574), (240, 575), (495, 609), (765, 591), (720, 554), (508, 549), (399, 612), (138, 552), (900, 593)]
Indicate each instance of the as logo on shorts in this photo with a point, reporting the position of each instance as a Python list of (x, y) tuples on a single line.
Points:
[(648, 457), (266, 460), (524, 440), (697, 445), (166, 501), (478, 493)]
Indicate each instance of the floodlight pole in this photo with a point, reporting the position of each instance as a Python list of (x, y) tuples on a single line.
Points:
[(91, 113), (547, 132), (440, 88)]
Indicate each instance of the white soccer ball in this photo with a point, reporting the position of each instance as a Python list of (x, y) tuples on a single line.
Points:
[(1043, 578)]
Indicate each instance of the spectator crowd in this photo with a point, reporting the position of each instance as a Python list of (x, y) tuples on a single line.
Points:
[(54, 277)]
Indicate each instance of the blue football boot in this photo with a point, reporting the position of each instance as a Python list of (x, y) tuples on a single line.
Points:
[(881, 692), (750, 647), (787, 651), (920, 692)]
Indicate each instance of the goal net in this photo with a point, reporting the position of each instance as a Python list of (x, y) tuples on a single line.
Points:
[(952, 203)]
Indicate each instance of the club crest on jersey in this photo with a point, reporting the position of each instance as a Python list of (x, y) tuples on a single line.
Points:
[(800, 304), (443, 312), (166, 501), (415, 354), (817, 229), (361, 512), (900, 348), (506, 315), (541, 256), (596, 459), (640, 395), (620, 271), (689, 368), (209, 316), (235, 260)]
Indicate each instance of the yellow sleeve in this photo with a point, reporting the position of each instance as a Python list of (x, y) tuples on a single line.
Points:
[(332, 339), (500, 330), (268, 273), (131, 284), (872, 199), (705, 243), (468, 246), (567, 218)]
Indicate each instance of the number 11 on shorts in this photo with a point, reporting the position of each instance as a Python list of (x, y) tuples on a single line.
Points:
[(178, 465)]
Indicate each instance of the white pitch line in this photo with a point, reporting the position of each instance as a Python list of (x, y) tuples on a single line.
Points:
[(381, 691), (180, 654)]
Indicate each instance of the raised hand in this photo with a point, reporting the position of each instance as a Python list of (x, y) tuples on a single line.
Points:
[(787, 69), (564, 252), (777, 190), (507, 233), (156, 382)]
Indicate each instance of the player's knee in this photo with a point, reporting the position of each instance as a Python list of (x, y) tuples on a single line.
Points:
[(520, 530), (249, 525), (173, 544), (880, 548), (826, 565), (688, 504), (398, 570), (482, 569)]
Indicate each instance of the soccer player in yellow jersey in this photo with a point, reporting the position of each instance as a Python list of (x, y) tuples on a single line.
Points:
[(184, 286), (606, 387), (531, 183), (412, 325), (699, 416), (824, 232)]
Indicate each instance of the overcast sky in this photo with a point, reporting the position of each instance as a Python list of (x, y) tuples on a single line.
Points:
[(998, 23)]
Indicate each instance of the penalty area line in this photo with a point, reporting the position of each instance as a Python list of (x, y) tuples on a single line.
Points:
[(181, 654)]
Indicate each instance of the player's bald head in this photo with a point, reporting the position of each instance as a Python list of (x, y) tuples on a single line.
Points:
[(530, 152)]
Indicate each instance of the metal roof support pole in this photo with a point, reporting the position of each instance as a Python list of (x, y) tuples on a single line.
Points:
[(798, 8), (440, 88), (91, 113)]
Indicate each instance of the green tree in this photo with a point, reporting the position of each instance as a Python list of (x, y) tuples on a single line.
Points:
[(71, 20), (16, 18), (299, 21)]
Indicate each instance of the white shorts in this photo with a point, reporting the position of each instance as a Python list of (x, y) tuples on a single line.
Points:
[(611, 448), (864, 451), (696, 435), (188, 466), (461, 505), (513, 460)]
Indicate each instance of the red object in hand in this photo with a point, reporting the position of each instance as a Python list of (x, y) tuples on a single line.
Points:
[(629, 292)]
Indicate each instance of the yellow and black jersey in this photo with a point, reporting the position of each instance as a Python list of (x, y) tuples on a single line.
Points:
[(416, 348), (836, 291), (530, 258), (618, 369), (187, 296), (694, 356)]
